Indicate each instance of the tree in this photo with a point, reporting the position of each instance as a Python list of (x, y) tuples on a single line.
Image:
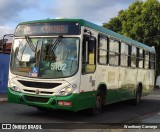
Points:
[(141, 22)]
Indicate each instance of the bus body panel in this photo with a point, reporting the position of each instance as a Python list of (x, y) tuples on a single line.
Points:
[(78, 101)]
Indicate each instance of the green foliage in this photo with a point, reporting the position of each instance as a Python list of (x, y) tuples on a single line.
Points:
[(141, 22), (115, 24)]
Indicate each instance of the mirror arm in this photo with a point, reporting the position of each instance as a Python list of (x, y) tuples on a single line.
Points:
[(88, 31)]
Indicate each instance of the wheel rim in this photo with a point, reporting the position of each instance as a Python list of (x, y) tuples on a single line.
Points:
[(138, 97), (98, 104)]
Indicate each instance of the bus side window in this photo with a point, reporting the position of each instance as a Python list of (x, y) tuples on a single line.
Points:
[(152, 61), (88, 54)]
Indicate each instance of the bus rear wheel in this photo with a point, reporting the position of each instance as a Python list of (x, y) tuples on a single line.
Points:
[(137, 99)]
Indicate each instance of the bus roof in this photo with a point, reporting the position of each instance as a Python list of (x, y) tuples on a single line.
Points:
[(98, 28)]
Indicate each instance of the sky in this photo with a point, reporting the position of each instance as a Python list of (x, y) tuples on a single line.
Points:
[(13, 12)]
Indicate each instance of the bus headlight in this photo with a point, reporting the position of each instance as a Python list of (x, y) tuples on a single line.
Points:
[(13, 86), (66, 91)]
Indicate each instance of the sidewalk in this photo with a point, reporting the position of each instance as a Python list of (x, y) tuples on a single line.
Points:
[(3, 97), (154, 118)]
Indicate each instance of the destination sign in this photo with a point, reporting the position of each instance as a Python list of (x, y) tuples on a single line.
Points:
[(51, 28)]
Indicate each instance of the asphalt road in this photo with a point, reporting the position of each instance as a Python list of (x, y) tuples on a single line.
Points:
[(122, 112)]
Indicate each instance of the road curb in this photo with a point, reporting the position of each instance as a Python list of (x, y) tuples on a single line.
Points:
[(3, 100)]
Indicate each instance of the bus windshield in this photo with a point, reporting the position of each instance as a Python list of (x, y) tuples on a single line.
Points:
[(45, 57)]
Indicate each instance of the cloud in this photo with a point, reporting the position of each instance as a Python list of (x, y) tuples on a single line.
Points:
[(98, 11), (10, 12), (10, 9), (5, 30)]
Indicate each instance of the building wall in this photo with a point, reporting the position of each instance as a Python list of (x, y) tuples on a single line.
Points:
[(7, 47), (4, 68)]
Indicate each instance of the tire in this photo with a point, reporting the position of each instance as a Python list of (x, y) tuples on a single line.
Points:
[(97, 107), (137, 99)]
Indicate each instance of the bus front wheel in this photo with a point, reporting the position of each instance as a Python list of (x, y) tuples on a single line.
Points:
[(98, 105)]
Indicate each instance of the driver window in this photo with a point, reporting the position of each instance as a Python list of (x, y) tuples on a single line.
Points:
[(89, 54)]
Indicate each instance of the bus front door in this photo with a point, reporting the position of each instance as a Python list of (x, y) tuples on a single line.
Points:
[(87, 88)]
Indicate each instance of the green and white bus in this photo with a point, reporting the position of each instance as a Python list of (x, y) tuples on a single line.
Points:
[(73, 64)]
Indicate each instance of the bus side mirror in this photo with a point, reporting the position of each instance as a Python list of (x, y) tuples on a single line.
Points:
[(3, 45), (4, 40)]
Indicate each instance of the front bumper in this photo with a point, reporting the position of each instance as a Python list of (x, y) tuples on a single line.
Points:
[(43, 101)]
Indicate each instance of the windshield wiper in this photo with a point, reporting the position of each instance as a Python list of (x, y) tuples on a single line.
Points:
[(32, 47), (55, 44), (29, 42)]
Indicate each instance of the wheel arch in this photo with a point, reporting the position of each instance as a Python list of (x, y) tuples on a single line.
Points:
[(102, 89), (139, 86)]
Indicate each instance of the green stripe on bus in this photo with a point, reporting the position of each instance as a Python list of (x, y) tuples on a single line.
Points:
[(79, 101)]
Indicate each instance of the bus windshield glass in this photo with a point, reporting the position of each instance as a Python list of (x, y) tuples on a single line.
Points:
[(45, 57)]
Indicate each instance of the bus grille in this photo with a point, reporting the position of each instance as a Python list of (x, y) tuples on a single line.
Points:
[(39, 84), (36, 99), (33, 91)]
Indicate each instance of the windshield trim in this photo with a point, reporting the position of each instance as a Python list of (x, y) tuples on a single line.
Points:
[(64, 36)]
